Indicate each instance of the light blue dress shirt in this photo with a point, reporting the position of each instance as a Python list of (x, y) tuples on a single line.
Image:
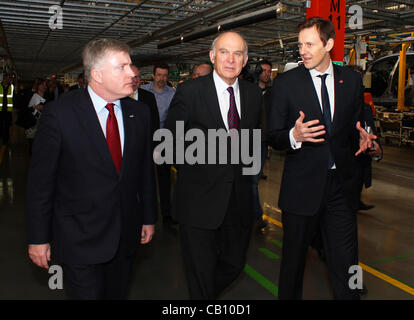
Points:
[(163, 100), (99, 104)]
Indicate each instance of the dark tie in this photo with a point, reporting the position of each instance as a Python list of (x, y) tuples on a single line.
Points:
[(326, 107), (112, 137), (233, 118)]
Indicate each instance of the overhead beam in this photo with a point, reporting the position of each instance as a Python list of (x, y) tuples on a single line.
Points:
[(220, 11), (243, 20)]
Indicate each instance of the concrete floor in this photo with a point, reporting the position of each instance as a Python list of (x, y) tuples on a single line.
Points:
[(386, 240)]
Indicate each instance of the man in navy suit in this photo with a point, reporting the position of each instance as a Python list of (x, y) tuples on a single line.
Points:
[(213, 201), (315, 115), (147, 98), (91, 187)]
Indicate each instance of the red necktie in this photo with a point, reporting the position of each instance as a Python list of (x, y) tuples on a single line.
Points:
[(233, 118), (112, 137)]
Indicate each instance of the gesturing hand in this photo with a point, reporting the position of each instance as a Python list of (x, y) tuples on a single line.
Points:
[(303, 131), (365, 139)]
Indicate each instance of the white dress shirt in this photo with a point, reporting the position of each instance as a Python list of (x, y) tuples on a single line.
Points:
[(99, 104), (317, 83), (224, 96)]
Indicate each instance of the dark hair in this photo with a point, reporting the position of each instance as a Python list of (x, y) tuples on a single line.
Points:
[(264, 61), (161, 65), (325, 28), (37, 82)]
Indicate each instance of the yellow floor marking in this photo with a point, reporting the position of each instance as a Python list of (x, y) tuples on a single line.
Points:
[(274, 221), (388, 279)]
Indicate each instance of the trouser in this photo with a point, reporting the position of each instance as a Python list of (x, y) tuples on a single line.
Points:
[(257, 208), (338, 226), (164, 187), (103, 281), (214, 258), (5, 123)]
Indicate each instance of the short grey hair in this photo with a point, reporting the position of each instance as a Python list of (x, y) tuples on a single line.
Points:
[(213, 44), (96, 50)]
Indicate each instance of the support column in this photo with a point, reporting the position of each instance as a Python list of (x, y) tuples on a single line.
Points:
[(334, 10)]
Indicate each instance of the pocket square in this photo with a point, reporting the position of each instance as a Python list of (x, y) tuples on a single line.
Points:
[(132, 116)]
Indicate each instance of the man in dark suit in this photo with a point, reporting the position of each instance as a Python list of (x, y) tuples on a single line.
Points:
[(374, 153), (163, 93), (91, 185), (81, 83), (54, 89), (145, 97), (264, 81), (213, 202), (319, 179), (365, 159)]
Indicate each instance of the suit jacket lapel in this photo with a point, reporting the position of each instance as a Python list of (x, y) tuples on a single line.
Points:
[(310, 91), (339, 95), (128, 117), (243, 105), (212, 101), (89, 120)]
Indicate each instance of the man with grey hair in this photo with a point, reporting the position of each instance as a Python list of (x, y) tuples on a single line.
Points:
[(213, 202), (91, 189)]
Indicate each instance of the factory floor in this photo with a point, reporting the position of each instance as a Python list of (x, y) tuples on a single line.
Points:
[(386, 240)]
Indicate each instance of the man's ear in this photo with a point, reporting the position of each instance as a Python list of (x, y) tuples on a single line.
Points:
[(212, 56), (96, 75), (246, 58), (329, 44)]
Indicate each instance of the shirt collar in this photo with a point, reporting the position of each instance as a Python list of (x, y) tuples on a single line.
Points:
[(166, 88), (329, 71), (222, 86), (98, 103)]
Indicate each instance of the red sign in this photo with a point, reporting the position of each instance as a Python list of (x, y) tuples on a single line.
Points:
[(334, 10)]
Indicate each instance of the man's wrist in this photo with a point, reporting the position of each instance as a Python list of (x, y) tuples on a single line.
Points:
[(293, 143)]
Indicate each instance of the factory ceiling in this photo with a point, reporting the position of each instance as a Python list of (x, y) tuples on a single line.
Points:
[(42, 37)]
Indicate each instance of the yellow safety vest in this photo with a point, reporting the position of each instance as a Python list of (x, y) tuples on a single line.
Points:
[(9, 97)]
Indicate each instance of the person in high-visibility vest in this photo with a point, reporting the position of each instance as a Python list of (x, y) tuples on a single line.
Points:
[(6, 108)]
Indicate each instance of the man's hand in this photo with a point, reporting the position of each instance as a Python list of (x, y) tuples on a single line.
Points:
[(303, 131), (147, 233), (155, 156), (365, 139), (40, 254)]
